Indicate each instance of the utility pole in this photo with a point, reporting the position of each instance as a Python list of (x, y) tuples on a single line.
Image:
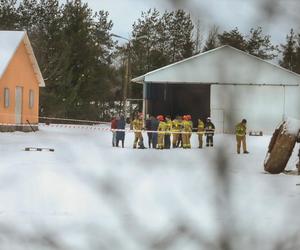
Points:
[(125, 85), (127, 79)]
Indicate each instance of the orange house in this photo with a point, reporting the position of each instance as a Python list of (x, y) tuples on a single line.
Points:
[(20, 80)]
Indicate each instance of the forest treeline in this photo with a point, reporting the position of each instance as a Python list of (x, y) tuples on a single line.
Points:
[(84, 67)]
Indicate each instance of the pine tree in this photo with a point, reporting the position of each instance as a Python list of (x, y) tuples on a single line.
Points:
[(52, 54), (296, 67), (87, 52), (181, 44), (233, 38), (28, 15), (168, 38), (212, 39), (8, 15), (255, 43), (289, 59), (147, 53), (260, 45)]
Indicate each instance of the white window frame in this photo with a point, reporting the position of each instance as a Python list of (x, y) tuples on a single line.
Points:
[(6, 98), (31, 99)]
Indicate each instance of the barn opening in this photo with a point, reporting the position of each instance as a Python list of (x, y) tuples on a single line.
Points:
[(178, 99)]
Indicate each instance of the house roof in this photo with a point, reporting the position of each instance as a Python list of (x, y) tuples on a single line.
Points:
[(9, 43), (223, 65)]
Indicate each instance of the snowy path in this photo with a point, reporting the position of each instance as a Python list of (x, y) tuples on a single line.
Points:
[(86, 189)]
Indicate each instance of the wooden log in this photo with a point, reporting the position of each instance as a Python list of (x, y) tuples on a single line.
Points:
[(279, 152)]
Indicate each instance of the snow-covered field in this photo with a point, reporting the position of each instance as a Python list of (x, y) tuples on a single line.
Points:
[(88, 195)]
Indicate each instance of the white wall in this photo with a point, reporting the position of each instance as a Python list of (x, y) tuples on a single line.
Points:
[(223, 65), (263, 106), (292, 102)]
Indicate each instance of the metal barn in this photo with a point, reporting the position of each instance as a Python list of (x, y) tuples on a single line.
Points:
[(226, 84)]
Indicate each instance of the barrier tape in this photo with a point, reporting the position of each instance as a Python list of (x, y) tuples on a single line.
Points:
[(72, 120), (89, 127), (72, 126), (52, 118), (95, 128), (17, 125)]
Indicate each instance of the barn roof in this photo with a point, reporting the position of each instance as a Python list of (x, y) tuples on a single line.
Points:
[(223, 65), (9, 42)]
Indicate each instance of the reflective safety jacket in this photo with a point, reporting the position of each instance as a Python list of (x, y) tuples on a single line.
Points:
[(162, 127), (186, 126), (209, 129), (201, 127), (137, 124), (176, 125), (191, 124), (168, 127), (240, 129)]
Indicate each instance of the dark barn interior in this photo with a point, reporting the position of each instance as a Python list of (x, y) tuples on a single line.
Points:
[(178, 99)]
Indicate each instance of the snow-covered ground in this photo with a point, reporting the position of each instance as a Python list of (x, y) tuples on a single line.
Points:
[(88, 195)]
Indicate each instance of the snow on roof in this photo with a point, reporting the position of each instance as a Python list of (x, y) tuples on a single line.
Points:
[(9, 42), (223, 65), (292, 126)]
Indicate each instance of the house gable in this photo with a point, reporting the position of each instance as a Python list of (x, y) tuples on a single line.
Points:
[(10, 41), (19, 70)]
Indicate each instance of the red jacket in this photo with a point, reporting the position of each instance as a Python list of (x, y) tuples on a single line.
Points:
[(113, 124)]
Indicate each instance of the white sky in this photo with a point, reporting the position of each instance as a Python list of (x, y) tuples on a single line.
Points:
[(227, 14)]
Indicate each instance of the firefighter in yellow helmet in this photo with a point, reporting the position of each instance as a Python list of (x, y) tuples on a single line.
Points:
[(241, 131), (186, 131), (200, 132), (137, 125), (161, 132), (175, 131)]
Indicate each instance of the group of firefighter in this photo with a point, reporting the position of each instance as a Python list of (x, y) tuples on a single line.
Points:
[(160, 129)]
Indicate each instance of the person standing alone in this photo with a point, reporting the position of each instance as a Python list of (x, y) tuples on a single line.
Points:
[(241, 131), (209, 132)]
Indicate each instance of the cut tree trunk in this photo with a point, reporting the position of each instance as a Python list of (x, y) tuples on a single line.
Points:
[(279, 151)]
